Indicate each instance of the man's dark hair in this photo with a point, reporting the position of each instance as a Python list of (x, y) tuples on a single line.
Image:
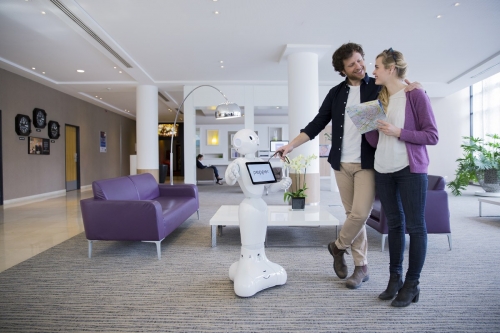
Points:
[(199, 156), (345, 52)]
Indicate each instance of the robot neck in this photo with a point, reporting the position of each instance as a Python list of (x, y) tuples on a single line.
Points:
[(250, 156)]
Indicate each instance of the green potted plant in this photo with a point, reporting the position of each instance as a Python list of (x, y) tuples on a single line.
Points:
[(299, 165), (480, 162)]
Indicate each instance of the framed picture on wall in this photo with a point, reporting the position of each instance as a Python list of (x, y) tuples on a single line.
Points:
[(324, 150), (102, 142), (38, 146)]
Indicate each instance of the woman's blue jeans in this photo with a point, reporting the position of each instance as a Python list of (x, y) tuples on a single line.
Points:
[(402, 195)]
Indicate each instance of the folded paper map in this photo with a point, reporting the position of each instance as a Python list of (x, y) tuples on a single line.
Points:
[(365, 115)]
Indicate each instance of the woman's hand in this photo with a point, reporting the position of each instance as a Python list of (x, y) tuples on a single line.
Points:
[(388, 128)]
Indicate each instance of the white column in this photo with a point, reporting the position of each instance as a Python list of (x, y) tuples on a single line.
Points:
[(303, 94), (302, 107), (189, 137), (249, 109), (147, 130)]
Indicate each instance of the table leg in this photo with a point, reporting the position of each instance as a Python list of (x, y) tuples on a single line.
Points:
[(214, 236), (480, 208)]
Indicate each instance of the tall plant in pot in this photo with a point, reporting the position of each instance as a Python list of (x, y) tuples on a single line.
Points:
[(480, 162), (299, 165)]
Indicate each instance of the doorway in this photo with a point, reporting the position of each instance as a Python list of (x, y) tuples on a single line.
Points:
[(72, 134)]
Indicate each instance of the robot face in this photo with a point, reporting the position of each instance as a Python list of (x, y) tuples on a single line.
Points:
[(246, 141)]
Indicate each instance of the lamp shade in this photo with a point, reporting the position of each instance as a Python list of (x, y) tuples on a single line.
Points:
[(227, 110)]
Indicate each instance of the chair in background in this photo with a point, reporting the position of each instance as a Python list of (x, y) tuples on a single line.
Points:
[(437, 212), (205, 175)]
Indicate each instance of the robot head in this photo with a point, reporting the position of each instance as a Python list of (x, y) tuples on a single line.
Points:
[(245, 142)]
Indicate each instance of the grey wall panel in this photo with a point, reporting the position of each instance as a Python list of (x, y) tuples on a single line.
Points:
[(26, 175)]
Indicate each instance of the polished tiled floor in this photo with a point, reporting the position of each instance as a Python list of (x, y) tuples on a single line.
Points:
[(30, 229)]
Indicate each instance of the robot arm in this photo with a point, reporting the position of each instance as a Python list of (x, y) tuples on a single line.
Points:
[(284, 184), (232, 173)]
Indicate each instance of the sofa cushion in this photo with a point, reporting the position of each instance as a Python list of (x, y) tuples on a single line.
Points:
[(121, 188), (147, 186), (376, 209), (435, 183)]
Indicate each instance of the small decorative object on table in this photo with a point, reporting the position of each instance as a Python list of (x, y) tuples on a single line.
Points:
[(299, 165)]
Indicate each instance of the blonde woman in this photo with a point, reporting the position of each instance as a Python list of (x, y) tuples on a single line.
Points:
[(401, 163)]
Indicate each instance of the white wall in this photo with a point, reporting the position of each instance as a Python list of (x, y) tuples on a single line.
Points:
[(452, 117), (222, 148)]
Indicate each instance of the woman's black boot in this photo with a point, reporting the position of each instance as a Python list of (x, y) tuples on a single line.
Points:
[(409, 293), (395, 283)]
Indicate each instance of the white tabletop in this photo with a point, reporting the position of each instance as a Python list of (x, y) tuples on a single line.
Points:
[(281, 215)]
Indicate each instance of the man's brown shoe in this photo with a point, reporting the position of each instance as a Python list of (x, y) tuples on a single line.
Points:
[(339, 264), (359, 276)]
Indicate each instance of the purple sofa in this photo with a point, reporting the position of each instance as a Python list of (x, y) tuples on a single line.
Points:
[(437, 213), (137, 208)]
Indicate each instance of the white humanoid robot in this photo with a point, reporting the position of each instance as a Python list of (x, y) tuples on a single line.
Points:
[(253, 272)]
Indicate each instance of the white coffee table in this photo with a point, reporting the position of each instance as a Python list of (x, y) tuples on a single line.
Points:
[(487, 200), (281, 215)]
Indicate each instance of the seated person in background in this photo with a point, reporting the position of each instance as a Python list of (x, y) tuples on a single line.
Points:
[(200, 165)]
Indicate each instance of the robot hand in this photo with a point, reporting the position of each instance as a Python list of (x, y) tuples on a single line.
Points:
[(285, 183), (233, 173)]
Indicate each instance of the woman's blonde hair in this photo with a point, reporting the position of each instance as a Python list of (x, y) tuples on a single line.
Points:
[(391, 57)]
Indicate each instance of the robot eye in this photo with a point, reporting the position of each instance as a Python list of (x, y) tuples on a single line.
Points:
[(251, 138)]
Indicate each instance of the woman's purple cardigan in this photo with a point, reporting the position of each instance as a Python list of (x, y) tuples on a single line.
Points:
[(419, 130)]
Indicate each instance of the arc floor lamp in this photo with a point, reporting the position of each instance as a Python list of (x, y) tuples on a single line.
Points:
[(225, 110)]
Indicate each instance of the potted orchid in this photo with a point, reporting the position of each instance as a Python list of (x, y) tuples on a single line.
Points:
[(299, 166)]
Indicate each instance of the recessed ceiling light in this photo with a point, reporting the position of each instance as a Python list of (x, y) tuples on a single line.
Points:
[(221, 66), (120, 72), (108, 88), (43, 72), (457, 4), (33, 68), (278, 107), (216, 12), (100, 98), (114, 67), (43, 13), (221, 62), (96, 96), (439, 16), (214, 0), (80, 71)]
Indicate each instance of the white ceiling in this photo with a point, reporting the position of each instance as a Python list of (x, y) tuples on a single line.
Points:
[(172, 43)]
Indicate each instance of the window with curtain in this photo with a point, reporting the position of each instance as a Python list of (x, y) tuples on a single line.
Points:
[(486, 107)]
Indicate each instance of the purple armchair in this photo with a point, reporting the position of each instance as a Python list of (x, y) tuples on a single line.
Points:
[(137, 208), (437, 213)]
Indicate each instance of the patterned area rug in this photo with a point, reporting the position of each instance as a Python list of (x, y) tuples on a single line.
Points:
[(124, 288)]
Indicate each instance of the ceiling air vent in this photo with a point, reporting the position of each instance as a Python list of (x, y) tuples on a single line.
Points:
[(92, 34), (487, 69), (163, 97)]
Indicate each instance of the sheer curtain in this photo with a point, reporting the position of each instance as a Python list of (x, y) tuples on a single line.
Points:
[(486, 107)]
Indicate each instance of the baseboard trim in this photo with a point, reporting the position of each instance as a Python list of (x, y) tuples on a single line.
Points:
[(85, 188), (33, 198)]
